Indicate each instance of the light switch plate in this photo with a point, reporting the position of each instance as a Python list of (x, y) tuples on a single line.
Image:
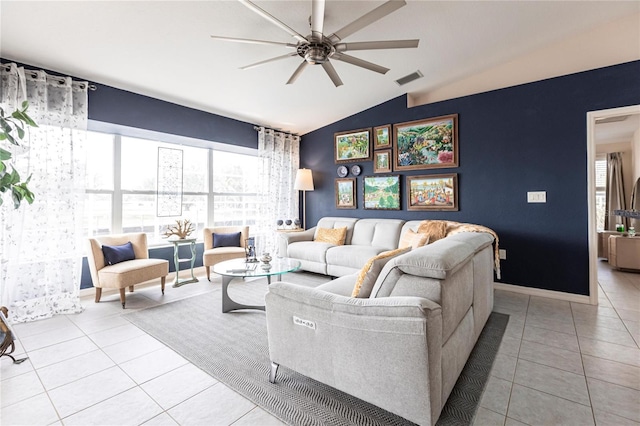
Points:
[(503, 254), (537, 197)]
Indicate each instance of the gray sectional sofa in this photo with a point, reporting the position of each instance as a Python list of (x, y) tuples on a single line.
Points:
[(404, 346)]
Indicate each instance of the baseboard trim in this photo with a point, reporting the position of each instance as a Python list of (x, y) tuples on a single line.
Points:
[(551, 294)]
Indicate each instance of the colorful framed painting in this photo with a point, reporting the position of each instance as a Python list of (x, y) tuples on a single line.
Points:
[(426, 144), (382, 161), (352, 146), (382, 137), (346, 193), (381, 192), (432, 192)]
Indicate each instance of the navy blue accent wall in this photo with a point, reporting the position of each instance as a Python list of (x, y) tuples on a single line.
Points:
[(117, 106), (531, 137)]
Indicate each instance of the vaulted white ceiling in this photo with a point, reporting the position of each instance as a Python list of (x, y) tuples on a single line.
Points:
[(163, 49)]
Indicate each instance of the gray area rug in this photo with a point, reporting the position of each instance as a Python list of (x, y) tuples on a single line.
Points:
[(233, 349)]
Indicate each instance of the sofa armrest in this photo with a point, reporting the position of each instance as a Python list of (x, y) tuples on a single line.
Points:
[(286, 238), (363, 347), (439, 259)]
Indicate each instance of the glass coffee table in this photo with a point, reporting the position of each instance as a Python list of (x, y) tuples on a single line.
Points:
[(238, 268)]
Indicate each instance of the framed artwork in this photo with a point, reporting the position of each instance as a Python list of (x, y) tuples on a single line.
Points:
[(381, 192), (346, 193), (432, 192), (382, 137), (382, 161), (426, 144), (351, 146)]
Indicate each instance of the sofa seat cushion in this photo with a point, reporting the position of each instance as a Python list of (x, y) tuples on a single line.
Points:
[(312, 251), (352, 256), (342, 286), (130, 272)]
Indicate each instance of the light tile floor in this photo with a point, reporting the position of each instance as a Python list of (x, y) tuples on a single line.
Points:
[(560, 363)]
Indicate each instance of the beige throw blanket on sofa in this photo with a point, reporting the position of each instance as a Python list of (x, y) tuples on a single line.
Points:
[(438, 229)]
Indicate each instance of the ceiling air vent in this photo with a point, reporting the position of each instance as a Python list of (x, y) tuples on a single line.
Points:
[(409, 78)]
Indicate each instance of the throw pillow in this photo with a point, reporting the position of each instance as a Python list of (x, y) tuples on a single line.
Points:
[(226, 240), (435, 229), (335, 236), (413, 239), (117, 254), (370, 271)]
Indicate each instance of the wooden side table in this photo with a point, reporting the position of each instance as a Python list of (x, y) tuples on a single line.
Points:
[(177, 261)]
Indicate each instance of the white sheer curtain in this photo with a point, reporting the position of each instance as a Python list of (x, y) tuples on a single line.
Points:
[(615, 199), (41, 245), (280, 158)]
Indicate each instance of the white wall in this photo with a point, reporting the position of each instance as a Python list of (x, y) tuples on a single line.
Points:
[(613, 43)]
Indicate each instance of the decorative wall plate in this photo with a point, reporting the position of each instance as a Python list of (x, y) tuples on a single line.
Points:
[(343, 171), (356, 170)]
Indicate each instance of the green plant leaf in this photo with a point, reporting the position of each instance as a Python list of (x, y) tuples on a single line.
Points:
[(4, 155)]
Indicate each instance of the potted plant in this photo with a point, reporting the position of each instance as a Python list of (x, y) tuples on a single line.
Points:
[(12, 131)]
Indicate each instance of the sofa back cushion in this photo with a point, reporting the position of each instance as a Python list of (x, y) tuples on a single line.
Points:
[(383, 233), (369, 273), (337, 222)]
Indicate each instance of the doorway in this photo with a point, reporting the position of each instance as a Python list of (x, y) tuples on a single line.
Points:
[(595, 119)]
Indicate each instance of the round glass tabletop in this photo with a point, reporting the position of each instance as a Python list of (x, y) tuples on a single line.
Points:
[(240, 268)]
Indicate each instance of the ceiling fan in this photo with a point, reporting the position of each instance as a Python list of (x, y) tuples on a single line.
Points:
[(317, 49)]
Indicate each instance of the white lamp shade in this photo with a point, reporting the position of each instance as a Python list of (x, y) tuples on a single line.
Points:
[(304, 180)]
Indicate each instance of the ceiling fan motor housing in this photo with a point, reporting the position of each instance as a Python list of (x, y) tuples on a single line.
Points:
[(315, 52)]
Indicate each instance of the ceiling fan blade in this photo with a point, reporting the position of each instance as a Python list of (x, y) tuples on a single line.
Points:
[(367, 19), (266, 61), (266, 15), (360, 63), (251, 41), (331, 72), (371, 45), (297, 72), (317, 18)]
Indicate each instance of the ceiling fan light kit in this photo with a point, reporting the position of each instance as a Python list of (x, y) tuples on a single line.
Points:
[(318, 49)]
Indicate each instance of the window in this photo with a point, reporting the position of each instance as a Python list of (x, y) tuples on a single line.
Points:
[(601, 191), (234, 194), (122, 175)]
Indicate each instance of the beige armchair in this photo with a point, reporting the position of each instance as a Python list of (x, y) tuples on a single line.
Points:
[(128, 273), (211, 255), (624, 252)]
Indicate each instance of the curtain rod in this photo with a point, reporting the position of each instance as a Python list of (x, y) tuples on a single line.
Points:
[(256, 128), (7, 67)]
